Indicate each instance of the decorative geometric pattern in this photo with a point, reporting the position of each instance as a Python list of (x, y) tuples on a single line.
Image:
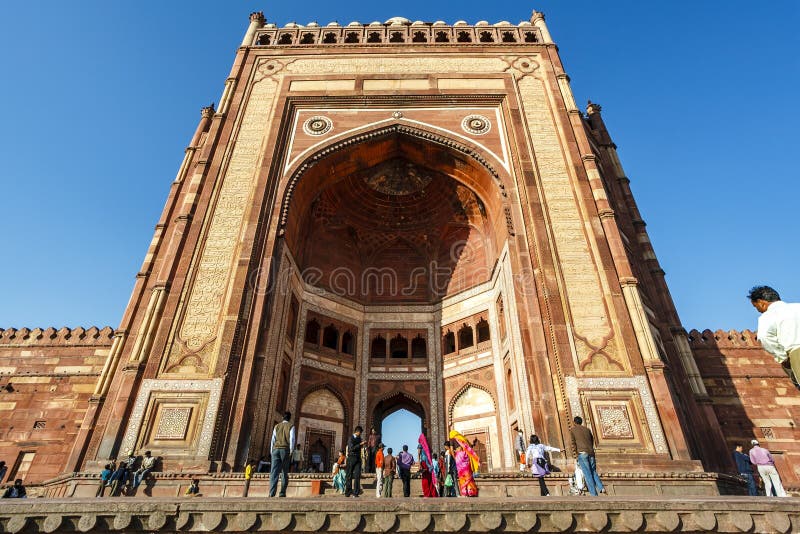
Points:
[(476, 124), (173, 423), (317, 125), (397, 177), (214, 389), (639, 383), (615, 422)]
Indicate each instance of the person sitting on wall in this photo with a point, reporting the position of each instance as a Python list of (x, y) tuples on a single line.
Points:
[(779, 329), (17, 491)]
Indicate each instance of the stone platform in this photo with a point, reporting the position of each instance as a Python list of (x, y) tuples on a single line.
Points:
[(506, 485), (398, 515)]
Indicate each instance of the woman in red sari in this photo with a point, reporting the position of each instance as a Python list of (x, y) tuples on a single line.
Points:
[(428, 488)]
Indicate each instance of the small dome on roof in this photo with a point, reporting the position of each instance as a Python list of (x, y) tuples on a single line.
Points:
[(503, 23), (312, 25), (333, 24), (418, 23), (524, 23), (482, 23), (461, 23), (291, 25), (440, 23), (355, 23), (376, 23), (270, 25), (398, 20)]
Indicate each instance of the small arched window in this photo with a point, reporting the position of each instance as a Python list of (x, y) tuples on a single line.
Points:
[(508, 37), (330, 337), (263, 39), (486, 37), (465, 338), (509, 390), (312, 332), (399, 347), (286, 38), (348, 343), (419, 37), (419, 348), (378, 347), (396, 37), (464, 37), (374, 37), (449, 342), (483, 330), (329, 38), (441, 37), (308, 38), (352, 37), (530, 37)]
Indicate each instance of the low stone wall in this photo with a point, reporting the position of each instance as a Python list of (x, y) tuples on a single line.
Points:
[(582, 514)]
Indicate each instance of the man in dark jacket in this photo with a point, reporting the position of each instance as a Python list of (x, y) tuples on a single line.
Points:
[(745, 469), (353, 469)]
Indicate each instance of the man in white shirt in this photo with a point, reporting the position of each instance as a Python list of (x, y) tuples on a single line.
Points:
[(778, 329)]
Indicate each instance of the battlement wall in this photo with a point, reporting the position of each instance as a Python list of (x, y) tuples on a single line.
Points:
[(751, 395), (47, 377), (50, 336)]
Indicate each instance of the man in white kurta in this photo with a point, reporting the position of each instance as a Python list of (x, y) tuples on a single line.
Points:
[(779, 329)]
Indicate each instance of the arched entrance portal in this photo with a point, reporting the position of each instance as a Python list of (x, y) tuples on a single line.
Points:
[(391, 239)]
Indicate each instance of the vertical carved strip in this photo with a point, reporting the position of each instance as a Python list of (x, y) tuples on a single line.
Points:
[(110, 366), (149, 325)]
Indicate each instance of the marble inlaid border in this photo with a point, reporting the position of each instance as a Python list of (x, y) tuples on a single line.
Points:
[(149, 386), (322, 366), (486, 361), (639, 383)]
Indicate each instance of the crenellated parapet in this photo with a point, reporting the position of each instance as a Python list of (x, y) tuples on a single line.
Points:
[(733, 339), (63, 336), (398, 31)]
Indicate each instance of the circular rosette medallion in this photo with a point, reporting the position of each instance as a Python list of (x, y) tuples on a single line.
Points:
[(317, 125), (476, 124)]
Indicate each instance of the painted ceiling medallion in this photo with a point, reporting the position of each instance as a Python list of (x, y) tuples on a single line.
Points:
[(317, 125), (476, 124), (397, 177)]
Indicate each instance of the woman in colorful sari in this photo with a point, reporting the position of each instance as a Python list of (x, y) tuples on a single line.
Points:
[(466, 483), (537, 460), (339, 473)]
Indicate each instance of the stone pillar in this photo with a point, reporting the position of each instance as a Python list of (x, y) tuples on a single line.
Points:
[(256, 21), (537, 19)]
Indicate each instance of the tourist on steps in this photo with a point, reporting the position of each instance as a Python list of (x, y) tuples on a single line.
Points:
[(536, 458), (280, 448), (389, 470), (338, 472), (379, 469), (467, 463), (583, 441), (762, 459), (353, 471), (745, 469), (404, 463)]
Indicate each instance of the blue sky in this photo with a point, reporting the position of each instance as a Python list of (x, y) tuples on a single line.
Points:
[(101, 98)]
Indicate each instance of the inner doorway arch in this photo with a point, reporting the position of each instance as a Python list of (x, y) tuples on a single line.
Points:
[(398, 401)]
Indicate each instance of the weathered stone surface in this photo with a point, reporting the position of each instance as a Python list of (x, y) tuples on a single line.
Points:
[(608, 515)]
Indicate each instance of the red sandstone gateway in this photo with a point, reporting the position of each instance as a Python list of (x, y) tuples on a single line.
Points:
[(356, 230)]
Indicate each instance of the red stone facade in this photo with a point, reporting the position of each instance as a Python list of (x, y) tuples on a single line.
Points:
[(751, 396), (47, 378), (400, 216)]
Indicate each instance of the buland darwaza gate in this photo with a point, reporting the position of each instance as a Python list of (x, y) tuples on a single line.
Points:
[(399, 215)]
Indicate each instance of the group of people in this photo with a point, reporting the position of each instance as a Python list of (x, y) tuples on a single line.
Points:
[(441, 474), (125, 478), (761, 458)]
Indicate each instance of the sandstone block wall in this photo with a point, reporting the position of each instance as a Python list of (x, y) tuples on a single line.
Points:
[(46, 380), (751, 395)]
